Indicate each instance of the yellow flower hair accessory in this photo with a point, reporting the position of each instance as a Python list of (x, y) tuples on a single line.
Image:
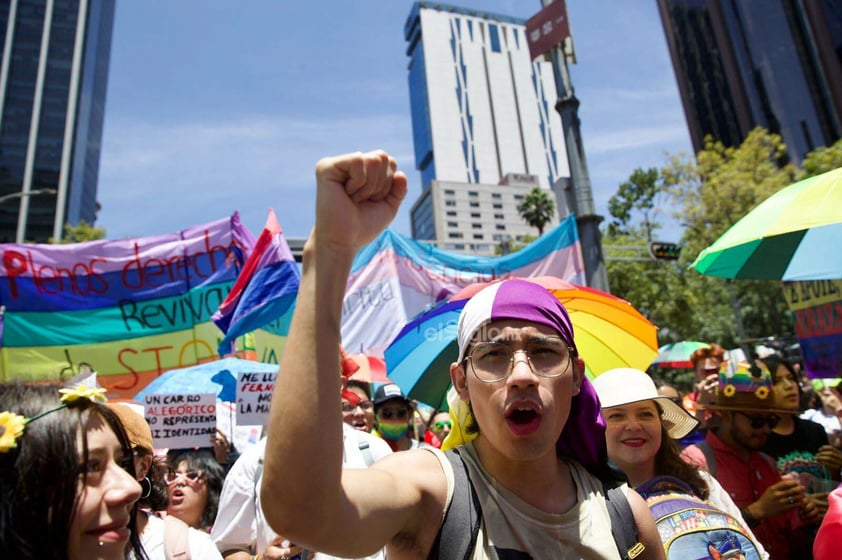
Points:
[(12, 425), (93, 394), (11, 428), (762, 392), (729, 390)]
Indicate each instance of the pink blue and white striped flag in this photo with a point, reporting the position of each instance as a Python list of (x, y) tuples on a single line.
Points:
[(265, 290)]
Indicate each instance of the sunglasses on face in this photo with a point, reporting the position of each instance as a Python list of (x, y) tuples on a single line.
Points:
[(442, 425), (349, 407), (191, 477), (760, 420), (396, 413)]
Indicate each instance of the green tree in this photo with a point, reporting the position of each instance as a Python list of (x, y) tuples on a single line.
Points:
[(639, 194), (512, 246), (823, 159), (83, 231), (712, 194), (537, 209)]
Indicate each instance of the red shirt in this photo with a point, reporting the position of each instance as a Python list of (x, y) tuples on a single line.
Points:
[(746, 481), (829, 536)]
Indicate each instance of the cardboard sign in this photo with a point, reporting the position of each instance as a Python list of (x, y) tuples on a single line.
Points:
[(179, 421), (254, 393)]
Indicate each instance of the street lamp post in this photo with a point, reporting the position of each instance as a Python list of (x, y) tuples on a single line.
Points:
[(22, 216)]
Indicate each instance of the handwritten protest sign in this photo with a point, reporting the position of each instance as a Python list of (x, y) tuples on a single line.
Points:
[(179, 421), (817, 306), (254, 393)]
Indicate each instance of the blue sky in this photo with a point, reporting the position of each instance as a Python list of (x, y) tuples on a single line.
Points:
[(215, 106)]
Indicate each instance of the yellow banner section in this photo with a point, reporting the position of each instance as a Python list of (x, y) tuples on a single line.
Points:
[(801, 295), (125, 367)]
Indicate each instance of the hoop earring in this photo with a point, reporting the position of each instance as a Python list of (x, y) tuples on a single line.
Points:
[(146, 487)]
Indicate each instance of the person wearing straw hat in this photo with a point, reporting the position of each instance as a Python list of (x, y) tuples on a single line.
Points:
[(642, 429), (538, 420), (743, 414)]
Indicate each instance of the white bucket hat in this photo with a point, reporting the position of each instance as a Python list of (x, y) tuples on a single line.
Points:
[(623, 386)]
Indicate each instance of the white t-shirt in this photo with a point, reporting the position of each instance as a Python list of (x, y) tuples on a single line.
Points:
[(240, 524), (152, 539)]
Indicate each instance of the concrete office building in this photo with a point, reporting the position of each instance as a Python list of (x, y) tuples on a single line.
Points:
[(481, 111), (474, 218), (53, 80), (747, 63)]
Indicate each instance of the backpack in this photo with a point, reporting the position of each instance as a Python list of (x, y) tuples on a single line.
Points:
[(176, 545), (689, 527), (457, 535)]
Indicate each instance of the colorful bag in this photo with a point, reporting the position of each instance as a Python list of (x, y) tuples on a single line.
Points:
[(692, 529)]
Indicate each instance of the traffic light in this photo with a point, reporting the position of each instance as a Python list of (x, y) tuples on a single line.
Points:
[(663, 251)]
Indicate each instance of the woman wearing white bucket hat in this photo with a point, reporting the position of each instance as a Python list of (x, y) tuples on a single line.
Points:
[(641, 427)]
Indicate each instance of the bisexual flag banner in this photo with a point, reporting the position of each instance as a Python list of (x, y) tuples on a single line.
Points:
[(264, 292)]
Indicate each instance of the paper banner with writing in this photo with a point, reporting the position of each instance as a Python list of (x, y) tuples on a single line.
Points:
[(817, 307)]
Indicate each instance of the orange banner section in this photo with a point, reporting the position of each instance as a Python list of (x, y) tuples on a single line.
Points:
[(127, 366)]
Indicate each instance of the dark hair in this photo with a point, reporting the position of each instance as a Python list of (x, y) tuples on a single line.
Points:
[(362, 385), (772, 362), (214, 476), (158, 497), (36, 506), (668, 462)]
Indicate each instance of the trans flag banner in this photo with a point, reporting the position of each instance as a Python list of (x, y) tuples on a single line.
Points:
[(265, 290), (394, 278), (131, 309)]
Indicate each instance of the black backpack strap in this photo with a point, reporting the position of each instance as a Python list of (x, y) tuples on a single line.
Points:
[(457, 535), (710, 456), (624, 532)]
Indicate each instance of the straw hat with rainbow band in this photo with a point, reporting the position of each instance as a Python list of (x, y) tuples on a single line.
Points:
[(583, 437), (742, 389)]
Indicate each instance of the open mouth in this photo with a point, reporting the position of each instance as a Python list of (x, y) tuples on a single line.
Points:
[(523, 420), (634, 442)]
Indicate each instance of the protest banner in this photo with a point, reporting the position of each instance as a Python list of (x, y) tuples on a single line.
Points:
[(394, 278), (817, 308)]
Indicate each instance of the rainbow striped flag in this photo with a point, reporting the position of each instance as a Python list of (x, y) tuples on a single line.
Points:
[(130, 309)]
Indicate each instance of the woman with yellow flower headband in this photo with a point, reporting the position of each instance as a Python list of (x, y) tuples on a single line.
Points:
[(66, 483)]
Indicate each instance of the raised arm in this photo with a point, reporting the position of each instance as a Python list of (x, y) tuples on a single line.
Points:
[(302, 492)]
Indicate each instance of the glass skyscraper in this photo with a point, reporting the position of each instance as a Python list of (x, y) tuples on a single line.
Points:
[(746, 63), (53, 80), (482, 110)]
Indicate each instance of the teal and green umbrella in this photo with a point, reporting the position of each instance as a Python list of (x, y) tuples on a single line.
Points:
[(677, 354), (792, 235)]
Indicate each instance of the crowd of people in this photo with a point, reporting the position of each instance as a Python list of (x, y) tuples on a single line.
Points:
[(532, 460)]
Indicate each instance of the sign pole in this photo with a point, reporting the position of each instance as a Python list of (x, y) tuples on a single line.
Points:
[(580, 195)]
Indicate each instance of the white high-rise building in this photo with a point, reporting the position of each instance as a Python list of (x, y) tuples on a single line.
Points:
[(481, 110)]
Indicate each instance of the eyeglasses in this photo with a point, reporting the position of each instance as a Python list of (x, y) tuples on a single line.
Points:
[(442, 425), (760, 420), (191, 477), (494, 361), (349, 407), (396, 413)]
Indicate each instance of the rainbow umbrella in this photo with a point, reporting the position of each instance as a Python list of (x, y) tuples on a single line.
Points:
[(677, 354), (792, 235), (609, 333)]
